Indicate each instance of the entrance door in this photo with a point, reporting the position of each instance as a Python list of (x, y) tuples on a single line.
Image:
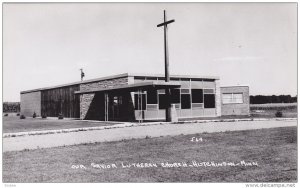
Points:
[(115, 104)]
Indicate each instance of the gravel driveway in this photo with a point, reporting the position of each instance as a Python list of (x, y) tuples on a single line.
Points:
[(54, 140)]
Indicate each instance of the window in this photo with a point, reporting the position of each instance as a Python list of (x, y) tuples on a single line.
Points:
[(227, 98), (185, 91), (197, 96), (232, 98), (209, 101), (162, 101), (185, 101), (161, 91), (151, 97), (197, 105), (117, 100), (151, 107), (238, 97), (208, 91), (175, 96), (151, 78), (140, 101)]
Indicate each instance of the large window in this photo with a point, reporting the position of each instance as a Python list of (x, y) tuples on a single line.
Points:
[(197, 96), (152, 97), (232, 98), (209, 101), (185, 101), (185, 98), (162, 101), (175, 96)]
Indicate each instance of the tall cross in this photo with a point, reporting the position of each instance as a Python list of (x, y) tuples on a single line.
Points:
[(165, 24), (167, 76)]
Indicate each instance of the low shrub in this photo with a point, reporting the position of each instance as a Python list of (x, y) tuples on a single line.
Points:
[(60, 116), (278, 114), (18, 114), (44, 116), (22, 117), (34, 115), (5, 114)]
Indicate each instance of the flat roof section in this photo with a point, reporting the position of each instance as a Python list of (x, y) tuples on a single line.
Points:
[(174, 76)]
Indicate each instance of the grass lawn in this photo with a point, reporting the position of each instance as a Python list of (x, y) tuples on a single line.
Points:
[(13, 124), (274, 150), (286, 113)]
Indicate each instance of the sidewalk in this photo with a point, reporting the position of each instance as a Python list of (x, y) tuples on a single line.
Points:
[(130, 131)]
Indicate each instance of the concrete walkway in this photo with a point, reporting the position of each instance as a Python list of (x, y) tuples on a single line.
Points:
[(71, 138)]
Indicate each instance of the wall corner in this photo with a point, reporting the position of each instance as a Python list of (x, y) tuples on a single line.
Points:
[(218, 98)]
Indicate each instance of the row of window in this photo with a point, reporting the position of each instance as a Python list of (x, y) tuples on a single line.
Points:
[(182, 98)]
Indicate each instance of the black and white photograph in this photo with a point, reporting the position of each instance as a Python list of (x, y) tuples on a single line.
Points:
[(150, 92)]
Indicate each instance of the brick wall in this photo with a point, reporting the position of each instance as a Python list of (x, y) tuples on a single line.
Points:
[(30, 103), (236, 109), (87, 99)]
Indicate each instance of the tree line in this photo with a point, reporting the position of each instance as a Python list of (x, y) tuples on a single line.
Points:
[(263, 99), (11, 107)]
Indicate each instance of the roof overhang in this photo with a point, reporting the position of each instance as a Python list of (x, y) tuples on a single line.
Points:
[(134, 87), (177, 77)]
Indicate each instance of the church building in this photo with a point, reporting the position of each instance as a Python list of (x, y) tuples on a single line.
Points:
[(133, 97)]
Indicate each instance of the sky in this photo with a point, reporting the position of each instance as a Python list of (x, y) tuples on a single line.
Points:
[(254, 44)]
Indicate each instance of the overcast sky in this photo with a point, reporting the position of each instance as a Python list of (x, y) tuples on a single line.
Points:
[(251, 44)]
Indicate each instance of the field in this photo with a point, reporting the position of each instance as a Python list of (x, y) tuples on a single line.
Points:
[(289, 110), (278, 106), (273, 150), (12, 124)]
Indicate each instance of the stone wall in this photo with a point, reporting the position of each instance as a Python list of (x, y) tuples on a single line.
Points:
[(236, 109), (87, 99), (104, 84), (85, 103)]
